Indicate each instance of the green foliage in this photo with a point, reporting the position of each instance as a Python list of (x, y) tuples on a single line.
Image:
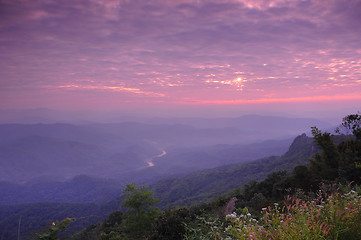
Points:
[(51, 232), (324, 165), (171, 224), (141, 214), (136, 222), (109, 229), (138, 199), (205, 227), (35, 216), (338, 216), (351, 124), (338, 161)]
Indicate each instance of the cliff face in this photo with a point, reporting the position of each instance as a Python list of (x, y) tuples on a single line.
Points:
[(303, 144)]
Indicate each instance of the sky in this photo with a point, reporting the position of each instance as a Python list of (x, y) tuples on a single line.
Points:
[(181, 55)]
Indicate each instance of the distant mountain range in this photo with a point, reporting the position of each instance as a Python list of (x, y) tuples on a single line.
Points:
[(184, 189), (125, 167), (122, 150)]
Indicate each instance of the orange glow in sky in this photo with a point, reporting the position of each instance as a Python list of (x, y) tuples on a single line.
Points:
[(206, 52)]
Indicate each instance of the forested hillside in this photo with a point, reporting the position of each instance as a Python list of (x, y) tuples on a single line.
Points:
[(188, 203), (207, 184), (320, 200), (89, 189)]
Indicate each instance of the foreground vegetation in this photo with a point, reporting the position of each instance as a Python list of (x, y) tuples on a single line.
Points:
[(319, 201), (334, 216)]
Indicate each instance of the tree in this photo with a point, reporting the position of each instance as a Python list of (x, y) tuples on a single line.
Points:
[(324, 165), (141, 214), (340, 158), (171, 224), (351, 124), (350, 166)]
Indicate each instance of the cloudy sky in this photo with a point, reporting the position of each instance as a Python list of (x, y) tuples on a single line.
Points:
[(135, 54)]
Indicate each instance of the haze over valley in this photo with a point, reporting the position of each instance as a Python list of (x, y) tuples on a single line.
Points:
[(124, 151), (134, 120)]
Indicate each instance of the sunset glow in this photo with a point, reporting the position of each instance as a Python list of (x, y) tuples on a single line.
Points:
[(288, 100), (204, 52)]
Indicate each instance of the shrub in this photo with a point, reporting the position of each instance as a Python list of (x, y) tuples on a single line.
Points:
[(328, 216)]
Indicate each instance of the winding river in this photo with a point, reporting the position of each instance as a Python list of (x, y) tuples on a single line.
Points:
[(150, 162)]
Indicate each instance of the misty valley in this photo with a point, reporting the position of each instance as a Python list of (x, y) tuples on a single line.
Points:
[(180, 120), (134, 151), (50, 172)]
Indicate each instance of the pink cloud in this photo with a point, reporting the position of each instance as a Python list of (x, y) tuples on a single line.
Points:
[(180, 51)]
